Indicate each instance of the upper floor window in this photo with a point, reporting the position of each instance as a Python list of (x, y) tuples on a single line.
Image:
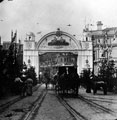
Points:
[(86, 38)]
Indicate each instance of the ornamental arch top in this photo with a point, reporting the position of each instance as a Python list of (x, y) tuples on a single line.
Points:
[(58, 41)]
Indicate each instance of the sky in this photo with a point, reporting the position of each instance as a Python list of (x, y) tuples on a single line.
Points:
[(45, 16)]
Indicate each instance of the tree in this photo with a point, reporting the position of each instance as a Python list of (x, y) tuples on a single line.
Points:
[(3, 81), (103, 69), (87, 80), (30, 73), (10, 67), (107, 71)]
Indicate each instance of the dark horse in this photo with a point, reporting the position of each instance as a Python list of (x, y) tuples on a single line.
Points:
[(68, 83), (99, 83), (73, 82)]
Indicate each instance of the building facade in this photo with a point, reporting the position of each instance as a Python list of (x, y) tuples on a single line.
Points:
[(104, 42)]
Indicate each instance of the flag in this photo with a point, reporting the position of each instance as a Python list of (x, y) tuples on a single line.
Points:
[(39, 32)]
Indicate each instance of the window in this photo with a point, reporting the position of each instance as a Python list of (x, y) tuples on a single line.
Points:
[(86, 38)]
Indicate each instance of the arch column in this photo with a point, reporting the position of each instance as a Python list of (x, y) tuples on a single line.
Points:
[(79, 62)]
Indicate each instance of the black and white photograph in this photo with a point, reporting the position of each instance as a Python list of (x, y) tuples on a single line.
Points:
[(58, 59)]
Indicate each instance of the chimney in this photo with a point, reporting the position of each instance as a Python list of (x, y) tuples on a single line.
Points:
[(99, 25)]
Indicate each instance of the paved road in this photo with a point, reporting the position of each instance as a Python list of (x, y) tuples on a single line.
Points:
[(51, 108)]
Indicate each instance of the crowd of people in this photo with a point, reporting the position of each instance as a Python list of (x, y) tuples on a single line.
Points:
[(23, 87)]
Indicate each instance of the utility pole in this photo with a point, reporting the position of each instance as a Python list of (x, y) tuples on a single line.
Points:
[(93, 53), (106, 45)]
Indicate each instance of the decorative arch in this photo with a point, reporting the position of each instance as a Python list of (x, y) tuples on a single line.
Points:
[(62, 44)]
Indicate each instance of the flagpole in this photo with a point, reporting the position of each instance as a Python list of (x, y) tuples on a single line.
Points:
[(15, 45), (15, 39), (93, 53)]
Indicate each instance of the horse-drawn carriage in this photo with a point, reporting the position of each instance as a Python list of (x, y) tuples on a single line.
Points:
[(67, 80), (92, 82)]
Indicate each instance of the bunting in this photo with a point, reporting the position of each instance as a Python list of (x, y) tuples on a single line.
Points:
[(39, 32)]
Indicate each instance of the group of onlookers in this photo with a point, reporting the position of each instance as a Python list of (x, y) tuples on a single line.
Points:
[(23, 87)]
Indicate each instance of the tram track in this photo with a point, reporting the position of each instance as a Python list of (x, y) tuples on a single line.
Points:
[(97, 106), (77, 115), (4, 106), (34, 108), (67, 103)]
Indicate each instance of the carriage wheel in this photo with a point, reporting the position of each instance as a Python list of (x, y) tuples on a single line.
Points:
[(94, 91)]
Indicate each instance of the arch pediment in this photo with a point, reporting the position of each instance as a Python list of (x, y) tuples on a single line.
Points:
[(58, 41)]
